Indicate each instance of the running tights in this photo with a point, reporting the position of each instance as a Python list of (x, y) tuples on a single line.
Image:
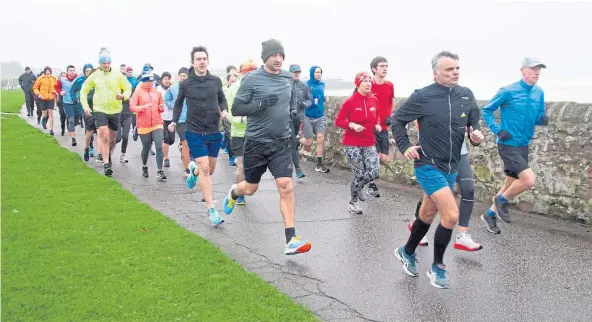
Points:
[(123, 133), (465, 182), (155, 136), (364, 164), (295, 154)]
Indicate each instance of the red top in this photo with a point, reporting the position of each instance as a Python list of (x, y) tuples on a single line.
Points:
[(385, 93), (360, 110)]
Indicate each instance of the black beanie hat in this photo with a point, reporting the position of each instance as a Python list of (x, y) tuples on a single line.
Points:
[(47, 68), (270, 47), (166, 74), (183, 70)]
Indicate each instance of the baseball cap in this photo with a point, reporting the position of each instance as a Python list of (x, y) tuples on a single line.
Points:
[(129, 69), (532, 62), (295, 68)]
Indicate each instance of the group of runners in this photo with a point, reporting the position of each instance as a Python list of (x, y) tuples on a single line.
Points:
[(263, 116)]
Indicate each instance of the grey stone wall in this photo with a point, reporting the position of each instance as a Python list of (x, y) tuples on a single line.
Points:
[(560, 155)]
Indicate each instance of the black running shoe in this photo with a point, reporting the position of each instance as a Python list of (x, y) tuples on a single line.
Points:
[(490, 224), (108, 170), (145, 172), (160, 175), (86, 155)]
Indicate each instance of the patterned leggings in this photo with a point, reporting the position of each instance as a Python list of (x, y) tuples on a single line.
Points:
[(364, 164)]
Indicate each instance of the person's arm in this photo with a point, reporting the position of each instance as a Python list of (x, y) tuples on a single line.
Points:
[(500, 98), (307, 98), (230, 95), (88, 84), (243, 104), (58, 86), (75, 89), (341, 120), (409, 111), (36, 87), (161, 106), (168, 99), (542, 118), (222, 98), (473, 118), (134, 103), (21, 82), (178, 108), (125, 87)]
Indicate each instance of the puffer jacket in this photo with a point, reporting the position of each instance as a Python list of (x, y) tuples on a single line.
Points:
[(45, 86)]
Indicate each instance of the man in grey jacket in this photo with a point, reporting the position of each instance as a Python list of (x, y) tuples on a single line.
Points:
[(303, 100), (26, 81)]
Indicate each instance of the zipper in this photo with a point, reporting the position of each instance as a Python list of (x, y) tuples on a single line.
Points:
[(449, 129)]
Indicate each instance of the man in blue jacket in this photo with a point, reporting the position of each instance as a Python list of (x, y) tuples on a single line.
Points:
[(522, 107), (314, 123)]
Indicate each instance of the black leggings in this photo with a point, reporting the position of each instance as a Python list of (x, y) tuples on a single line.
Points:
[(123, 133), (147, 139), (294, 126), (63, 117), (466, 183)]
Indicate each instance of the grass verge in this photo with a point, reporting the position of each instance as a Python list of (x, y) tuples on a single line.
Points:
[(76, 246), (12, 101)]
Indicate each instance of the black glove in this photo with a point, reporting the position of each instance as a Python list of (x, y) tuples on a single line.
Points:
[(545, 120), (269, 101), (388, 121), (504, 135)]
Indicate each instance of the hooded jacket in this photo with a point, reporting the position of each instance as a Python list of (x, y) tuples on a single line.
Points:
[(65, 84), (205, 99), (443, 115), (147, 120), (522, 107), (45, 86), (362, 110), (107, 86), (77, 85), (317, 90), (26, 81)]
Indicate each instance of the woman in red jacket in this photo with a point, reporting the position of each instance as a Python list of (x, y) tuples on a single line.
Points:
[(148, 103), (358, 117)]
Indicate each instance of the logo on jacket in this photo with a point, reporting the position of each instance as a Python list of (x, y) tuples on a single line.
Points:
[(463, 115)]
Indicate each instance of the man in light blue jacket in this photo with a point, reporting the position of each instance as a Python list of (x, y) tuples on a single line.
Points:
[(522, 107), (170, 96)]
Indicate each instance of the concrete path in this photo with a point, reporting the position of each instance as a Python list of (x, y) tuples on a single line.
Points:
[(538, 269)]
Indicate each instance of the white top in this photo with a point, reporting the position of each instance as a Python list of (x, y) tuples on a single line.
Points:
[(167, 115)]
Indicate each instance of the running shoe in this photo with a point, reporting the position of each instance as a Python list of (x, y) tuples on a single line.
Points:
[(192, 178), (241, 201), (160, 175), (167, 163), (373, 190), (491, 224), (108, 170), (123, 158), (145, 172), (465, 242), (503, 209), (299, 173), (215, 217), (409, 261), (229, 203), (86, 156), (91, 152), (297, 246), (354, 208), (321, 168), (437, 275)]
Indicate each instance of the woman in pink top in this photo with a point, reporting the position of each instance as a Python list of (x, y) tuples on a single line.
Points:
[(148, 103)]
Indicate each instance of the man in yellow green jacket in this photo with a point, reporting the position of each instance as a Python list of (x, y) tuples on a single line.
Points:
[(111, 87)]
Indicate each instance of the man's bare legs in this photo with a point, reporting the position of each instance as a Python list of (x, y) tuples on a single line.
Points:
[(205, 169)]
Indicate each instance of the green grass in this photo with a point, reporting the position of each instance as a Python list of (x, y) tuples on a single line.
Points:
[(12, 101), (76, 246)]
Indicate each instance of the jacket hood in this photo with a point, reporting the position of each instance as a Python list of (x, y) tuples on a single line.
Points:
[(71, 78), (312, 80)]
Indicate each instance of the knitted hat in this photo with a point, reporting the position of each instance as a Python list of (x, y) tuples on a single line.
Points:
[(360, 77), (129, 69), (271, 47), (147, 77), (248, 66), (104, 56), (166, 74)]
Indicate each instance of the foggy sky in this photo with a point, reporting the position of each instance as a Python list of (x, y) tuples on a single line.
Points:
[(491, 37)]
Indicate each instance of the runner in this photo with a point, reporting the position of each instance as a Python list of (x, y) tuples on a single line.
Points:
[(129, 75), (267, 98), (71, 106), (444, 111), (169, 99), (108, 85), (148, 103), (60, 104), (167, 116), (89, 121), (238, 125), (206, 104), (303, 101), (123, 69), (385, 93), (358, 115), (37, 99), (26, 81), (126, 119), (523, 107), (314, 122), (45, 90), (231, 78)]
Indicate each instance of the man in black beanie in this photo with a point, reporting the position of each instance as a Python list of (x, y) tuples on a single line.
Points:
[(266, 96)]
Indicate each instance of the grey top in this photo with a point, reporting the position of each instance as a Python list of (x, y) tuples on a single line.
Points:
[(271, 123), (303, 96)]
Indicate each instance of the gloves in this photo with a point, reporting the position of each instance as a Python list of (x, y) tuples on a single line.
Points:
[(504, 135), (388, 120), (545, 120), (269, 101)]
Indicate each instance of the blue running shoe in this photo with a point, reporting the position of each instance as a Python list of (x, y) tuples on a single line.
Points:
[(229, 203), (297, 246), (437, 275), (91, 152), (215, 217), (192, 178), (299, 173), (232, 161), (241, 201), (408, 261)]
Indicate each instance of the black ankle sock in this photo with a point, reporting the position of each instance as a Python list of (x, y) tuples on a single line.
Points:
[(441, 240), (417, 208), (290, 232), (418, 231), (233, 195), (319, 161), (86, 150)]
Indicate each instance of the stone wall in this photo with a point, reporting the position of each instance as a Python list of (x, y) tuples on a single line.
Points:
[(560, 155)]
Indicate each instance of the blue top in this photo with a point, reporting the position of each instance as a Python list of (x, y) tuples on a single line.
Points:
[(317, 89), (522, 107), (170, 96)]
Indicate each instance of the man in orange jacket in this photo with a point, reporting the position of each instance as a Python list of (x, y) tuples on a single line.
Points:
[(45, 90)]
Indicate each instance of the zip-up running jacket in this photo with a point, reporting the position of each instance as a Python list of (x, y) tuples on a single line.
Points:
[(169, 100), (362, 110), (107, 86), (205, 100), (147, 120), (443, 115), (522, 107)]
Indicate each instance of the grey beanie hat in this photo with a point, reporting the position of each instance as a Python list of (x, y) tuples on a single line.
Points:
[(270, 47)]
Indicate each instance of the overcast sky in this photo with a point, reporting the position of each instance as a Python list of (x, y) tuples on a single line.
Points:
[(342, 36)]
